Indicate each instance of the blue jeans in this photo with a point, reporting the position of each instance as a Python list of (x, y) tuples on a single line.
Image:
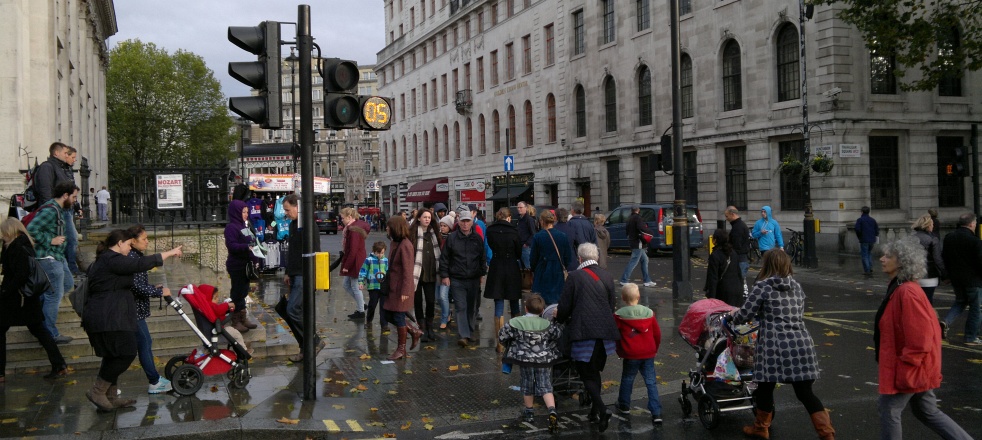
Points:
[(351, 286), (61, 282), (71, 240), (628, 373), (443, 298), (144, 349), (499, 308), (101, 210), (864, 253), (526, 256), (972, 298), (636, 256)]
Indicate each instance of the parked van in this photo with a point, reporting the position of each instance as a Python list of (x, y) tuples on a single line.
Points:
[(657, 216)]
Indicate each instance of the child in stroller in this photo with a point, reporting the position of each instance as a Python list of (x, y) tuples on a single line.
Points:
[(186, 373), (722, 379)]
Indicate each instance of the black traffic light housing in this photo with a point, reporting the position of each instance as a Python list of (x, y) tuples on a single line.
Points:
[(959, 167), (666, 153), (263, 75), (343, 108)]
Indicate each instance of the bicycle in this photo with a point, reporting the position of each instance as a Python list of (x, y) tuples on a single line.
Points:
[(795, 247), (754, 255)]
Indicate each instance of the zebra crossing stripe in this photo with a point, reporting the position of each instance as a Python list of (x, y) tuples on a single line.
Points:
[(353, 424), (331, 426)]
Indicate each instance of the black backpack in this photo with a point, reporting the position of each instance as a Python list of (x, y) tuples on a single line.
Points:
[(80, 295), (30, 193)]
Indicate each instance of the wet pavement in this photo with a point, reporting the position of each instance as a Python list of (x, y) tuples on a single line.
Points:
[(447, 392)]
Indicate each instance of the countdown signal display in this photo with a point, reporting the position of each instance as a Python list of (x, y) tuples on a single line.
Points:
[(343, 108)]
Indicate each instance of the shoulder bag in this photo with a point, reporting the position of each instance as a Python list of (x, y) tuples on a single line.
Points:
[(558, 254), (37, 281)]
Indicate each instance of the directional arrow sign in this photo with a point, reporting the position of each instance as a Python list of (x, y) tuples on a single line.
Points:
[(509, 163)]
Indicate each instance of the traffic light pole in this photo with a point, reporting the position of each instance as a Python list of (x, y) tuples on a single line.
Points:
[(974, 169), (305, 45), (681, 286)]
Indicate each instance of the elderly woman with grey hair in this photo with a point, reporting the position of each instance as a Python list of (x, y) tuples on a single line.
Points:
[(924, 232), (907, 339), (586, 306)]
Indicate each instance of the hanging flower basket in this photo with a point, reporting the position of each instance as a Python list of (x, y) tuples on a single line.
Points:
[(822, 164), (791, 166)]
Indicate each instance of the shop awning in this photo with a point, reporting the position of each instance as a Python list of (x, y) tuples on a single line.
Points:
[(433, 190), (510, 193)]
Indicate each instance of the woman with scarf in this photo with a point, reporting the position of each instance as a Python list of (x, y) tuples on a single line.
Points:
[(907, 340), (426, 239), (239, 241), (504, 281)]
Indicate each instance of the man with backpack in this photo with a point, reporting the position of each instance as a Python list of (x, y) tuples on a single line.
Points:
[(49, 230), (57, 169)]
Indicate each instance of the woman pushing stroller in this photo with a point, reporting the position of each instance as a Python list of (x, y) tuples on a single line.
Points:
[(785, 350)]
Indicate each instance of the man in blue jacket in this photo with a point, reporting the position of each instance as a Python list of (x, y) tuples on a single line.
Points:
[(866, 231), (767, 231)]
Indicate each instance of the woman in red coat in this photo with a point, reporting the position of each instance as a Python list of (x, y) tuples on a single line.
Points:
[(908, 346), (402, 286)]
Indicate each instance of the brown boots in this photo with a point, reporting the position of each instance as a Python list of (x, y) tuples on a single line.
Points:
[(116, 401), (414, 333), (762, 425), (401, 349), (499, 322), (823, 425), (239, 320), (97, 395)]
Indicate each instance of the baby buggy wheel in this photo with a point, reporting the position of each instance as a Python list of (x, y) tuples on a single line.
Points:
[(708, 412), (584, 398), (239, 376), (172, 365), (188, 379), (686, 406)]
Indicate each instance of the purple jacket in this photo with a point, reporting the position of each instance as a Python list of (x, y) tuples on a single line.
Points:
[(237, 242)]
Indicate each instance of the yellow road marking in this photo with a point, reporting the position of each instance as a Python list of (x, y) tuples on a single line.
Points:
[(331, 426), (353, 424)]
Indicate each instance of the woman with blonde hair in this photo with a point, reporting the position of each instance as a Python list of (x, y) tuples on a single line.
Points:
[(924, 233), (17, 309)]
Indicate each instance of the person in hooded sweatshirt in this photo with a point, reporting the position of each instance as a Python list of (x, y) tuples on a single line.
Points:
[(767, 231), (239, 242), (640, 338)]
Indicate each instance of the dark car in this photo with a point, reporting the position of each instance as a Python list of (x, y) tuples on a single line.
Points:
[(327, 222), (657, 216)]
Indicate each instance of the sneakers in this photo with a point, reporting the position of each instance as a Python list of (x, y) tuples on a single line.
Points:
[(528, 415), (974, 343), (944, 330), (62, 339), (650, 284), (357, 315), (656, 420), (623, 409), (162, 386), (553, 421)]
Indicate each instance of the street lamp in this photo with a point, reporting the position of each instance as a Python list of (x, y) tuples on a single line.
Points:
[(810, 258), (292, 60)]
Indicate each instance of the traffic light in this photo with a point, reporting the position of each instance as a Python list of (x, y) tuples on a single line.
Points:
[(263, 75), (959, 167), (343, 108), (666, 153)]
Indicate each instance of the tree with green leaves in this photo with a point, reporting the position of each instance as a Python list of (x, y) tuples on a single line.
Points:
[(163, 108), (941, 38)]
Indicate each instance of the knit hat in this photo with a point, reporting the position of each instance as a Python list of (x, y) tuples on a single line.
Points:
[(447, 220)]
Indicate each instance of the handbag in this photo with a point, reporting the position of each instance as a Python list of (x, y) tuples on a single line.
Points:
[(565, 273), (646, 237), (383, 284), (37, 281), (527, 279)]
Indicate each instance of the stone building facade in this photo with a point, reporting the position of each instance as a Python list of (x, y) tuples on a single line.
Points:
[(583, 88), (52, 85)]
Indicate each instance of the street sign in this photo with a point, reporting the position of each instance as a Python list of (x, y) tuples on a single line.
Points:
[(509, 163)]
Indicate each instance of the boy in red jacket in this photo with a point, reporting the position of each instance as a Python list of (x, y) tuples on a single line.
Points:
[(640, 337)]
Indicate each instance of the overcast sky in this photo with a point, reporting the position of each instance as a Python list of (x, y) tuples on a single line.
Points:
[(348, 29)]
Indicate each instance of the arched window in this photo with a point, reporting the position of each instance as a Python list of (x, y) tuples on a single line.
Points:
[(469, 132), (529, 135), (426, 147), (644, 96), (551, 117), (511, 127), (732, 88), (334, 169), (610, 105), (394, 164), (580, 97), (405, 154), (446, 143), (415, 152), (368, 168), (385, 155), (436, 145), (496, 124), (456, 140), (686, 86), (482, 145), (788, 71)]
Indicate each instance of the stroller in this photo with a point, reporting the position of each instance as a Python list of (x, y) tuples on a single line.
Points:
[(187, 373), (565, 379), (722, 379)]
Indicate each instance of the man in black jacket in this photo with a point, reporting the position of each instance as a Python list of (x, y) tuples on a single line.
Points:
[(526, 229), (962, 254), (639, 252), (463, 264), (57, 169), (580, 227), (739, 238), (290, 307)]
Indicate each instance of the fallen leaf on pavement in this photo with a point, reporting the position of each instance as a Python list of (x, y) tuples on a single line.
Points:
[(376, 381), (434, 369), (338, 406), (288, 421), (975, 361), (408, 371), (393, 392), (388, 435), (342, 382), (831, 333), (214, 388), (365, 357), (377, 424), (426, 420), (31, 429), (674, 355), (406, 426), (328, 379), (72, 382), (495, 402), (373, 409), (428, 427), (465, 416), (453, 367), (429, 347), (6, 421), (361, 387)]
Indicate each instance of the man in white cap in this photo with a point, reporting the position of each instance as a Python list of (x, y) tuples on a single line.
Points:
[(462, 267)]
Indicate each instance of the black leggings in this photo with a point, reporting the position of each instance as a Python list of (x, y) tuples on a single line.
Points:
[(239, 289), (113, 366), (425, 292), (374, 297), (591, 382), (764, 396), (39, 331)]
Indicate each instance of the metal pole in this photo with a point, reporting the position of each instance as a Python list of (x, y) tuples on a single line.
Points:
[(974, 169), (681, 287), (507, 173), (810, 259), (306, 226)]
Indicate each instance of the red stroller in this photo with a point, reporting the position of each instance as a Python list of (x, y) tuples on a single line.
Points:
[(187, 373)]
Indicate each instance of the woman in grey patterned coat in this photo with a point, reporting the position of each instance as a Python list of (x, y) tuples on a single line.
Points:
[(785, 350)]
